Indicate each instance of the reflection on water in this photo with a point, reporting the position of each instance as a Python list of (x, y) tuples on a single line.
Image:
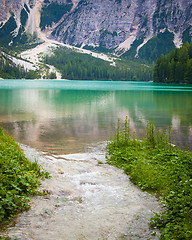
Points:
[(67, 120)]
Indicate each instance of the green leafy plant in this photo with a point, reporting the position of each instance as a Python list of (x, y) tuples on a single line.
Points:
[(157, 166), (19, 178)]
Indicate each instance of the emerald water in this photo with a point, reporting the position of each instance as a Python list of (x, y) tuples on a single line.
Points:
[(65, 119), (67, 116)]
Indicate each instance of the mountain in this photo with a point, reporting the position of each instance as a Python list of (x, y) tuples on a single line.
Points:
[(134, 28)]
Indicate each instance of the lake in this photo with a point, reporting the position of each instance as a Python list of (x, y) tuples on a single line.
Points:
[(68, 116)]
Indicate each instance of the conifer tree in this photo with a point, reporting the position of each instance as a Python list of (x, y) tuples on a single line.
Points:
[(176, 67)]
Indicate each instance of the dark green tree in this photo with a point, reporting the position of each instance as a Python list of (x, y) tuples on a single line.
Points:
[(188, 73), (176, 67)]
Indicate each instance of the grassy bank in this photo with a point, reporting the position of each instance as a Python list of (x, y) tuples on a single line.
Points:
[(157, 166), (19, 178)]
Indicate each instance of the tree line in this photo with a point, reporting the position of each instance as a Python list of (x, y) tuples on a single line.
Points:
[(78, 66), (176, 67), (10, 71)]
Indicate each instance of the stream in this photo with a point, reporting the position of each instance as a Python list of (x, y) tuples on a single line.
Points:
[(87, 199)]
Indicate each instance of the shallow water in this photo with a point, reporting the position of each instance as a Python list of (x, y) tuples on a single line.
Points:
[(86, 200), (67, 116)]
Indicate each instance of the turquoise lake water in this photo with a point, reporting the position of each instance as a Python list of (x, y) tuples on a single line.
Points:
[(67, 116)]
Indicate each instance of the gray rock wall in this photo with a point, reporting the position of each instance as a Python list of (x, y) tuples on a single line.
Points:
[(112, 23), (108, 23)]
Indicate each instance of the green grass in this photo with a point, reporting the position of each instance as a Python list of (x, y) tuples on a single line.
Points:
[(19, 178), (157, 166)]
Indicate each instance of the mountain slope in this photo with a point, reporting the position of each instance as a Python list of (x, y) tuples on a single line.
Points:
[(118, 25)]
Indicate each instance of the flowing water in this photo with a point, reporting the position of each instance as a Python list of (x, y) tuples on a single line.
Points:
[(69, 122), (86, 200)]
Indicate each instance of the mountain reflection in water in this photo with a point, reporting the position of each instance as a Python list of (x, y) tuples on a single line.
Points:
[(68, 120)]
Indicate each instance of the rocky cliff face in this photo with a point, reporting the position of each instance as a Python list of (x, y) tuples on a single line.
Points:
[(17, 19), (114, 24), (118, 23), (9, 7)]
